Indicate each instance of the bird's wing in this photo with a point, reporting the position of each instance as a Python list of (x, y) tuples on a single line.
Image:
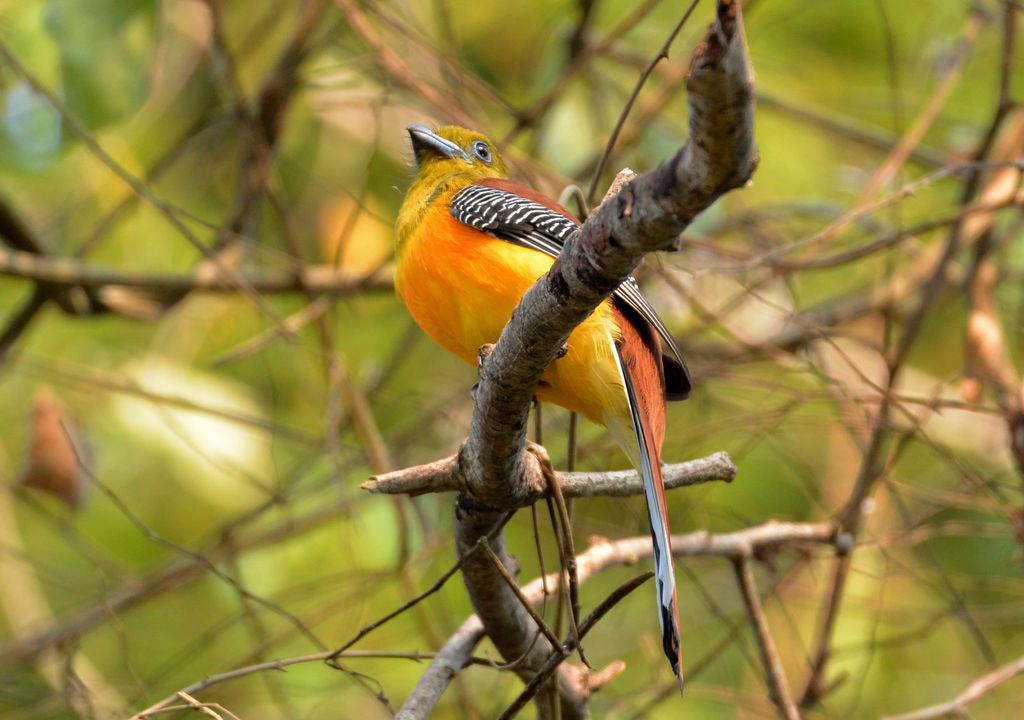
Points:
[(519, 215)]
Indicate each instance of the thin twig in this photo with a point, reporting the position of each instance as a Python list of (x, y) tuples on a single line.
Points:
[(325, 279), (568, 553), (977, 689), (757, 541), (434, 587), (646, 73), (564, 650), (514, 587), (778, 686)]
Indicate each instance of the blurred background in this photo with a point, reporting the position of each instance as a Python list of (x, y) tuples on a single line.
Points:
[(181, 458)]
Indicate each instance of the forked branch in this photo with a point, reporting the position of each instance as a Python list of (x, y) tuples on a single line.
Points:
[(648, 214)]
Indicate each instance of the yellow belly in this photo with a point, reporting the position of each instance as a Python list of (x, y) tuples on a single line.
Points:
[(461, 287)]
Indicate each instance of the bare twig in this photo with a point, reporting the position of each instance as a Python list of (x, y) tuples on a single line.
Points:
[(23, 605), (646, 215), (600, 556), (958, 706), (555, 659), (278, 665), (646, 73), (778, 686), (138, 591), (314, 279), (843, 128), (214, 259), (916, 132), (514, 587), (492, 531), (444, 476), (447, 662), (758, 541), (396, 68), (874, 459), (568, 556), (532, 115)]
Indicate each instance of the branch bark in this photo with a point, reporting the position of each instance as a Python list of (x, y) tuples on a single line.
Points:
[(748, 544), (69, 272), (443, 668), (444, 476), (957, 707), (648, 214), (601, 555), (778, 686)]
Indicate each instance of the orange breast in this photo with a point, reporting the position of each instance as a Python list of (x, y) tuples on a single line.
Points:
[(461, 287)]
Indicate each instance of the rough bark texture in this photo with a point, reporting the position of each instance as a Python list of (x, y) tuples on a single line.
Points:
[(508, 623), (754, 542), (646, 215), (443, 476), (448, 661), (649, 212)]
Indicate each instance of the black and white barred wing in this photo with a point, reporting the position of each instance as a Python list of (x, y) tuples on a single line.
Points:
[(525, 222), (512, 217)]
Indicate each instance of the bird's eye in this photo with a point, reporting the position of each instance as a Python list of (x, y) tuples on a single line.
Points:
[(481, 150)]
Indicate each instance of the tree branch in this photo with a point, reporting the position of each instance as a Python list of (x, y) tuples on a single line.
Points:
[(958, 705), (753, 542), (648, 214), (448, 661), (444, 476), (325, 279), (778, 686), (601, 555)]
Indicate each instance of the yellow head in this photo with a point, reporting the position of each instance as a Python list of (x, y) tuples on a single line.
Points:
[(447, 160), (452, 150)]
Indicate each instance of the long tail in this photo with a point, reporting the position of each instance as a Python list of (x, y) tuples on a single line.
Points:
[(641, 376)]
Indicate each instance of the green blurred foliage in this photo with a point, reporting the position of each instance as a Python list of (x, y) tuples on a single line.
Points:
[(197, 457), (105, 56)]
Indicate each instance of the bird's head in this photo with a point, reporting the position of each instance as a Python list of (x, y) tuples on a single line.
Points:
[(455, 151), (447, 160)]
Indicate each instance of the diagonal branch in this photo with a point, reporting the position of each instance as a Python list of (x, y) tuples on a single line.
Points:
[(600, 556), (778, 686), (957, 707), (554, 661), (753, 542), (648, 214)]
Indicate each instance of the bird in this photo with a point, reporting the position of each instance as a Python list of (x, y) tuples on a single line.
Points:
[(470, 243)]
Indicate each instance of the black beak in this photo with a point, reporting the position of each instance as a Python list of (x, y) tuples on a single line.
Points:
[(426, 142)]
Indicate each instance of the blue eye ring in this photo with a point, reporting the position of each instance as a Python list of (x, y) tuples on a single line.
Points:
[(482, 151)]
